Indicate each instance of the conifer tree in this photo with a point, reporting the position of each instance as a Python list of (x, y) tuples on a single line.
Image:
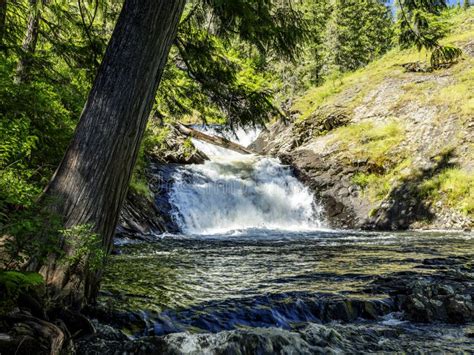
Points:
[(416, 29), (360, 31), (91, 182), (30, 40)]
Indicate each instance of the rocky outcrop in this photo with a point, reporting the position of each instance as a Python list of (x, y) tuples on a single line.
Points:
[(311, 339), (426, 301), (331, 148), (446, 297), (142, 217)]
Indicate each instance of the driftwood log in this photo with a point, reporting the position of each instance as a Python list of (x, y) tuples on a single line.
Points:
[(219, 141)]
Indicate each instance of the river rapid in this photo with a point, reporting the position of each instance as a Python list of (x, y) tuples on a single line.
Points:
[(253, 269)]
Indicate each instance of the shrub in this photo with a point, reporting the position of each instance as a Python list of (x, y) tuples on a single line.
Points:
[(13, 284)]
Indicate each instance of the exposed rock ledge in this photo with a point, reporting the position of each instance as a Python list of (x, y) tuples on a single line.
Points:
[(339, 323), (141, 218), (433, 136)]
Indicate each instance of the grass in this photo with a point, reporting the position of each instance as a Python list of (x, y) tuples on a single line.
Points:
[(377, 186), (459, 96), (454, 187), (378, 147), (369, 77), (374, 143), (140, 186)]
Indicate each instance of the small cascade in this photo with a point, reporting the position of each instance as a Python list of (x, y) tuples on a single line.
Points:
[(232, 192)]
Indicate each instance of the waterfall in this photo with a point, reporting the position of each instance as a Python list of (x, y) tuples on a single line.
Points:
[(233, 192)]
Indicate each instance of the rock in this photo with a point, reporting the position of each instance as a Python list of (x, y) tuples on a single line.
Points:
[(176, 149), (140, 218)]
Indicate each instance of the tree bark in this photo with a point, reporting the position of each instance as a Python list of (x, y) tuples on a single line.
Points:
[(91, 182), (28, 46), (3, 22)]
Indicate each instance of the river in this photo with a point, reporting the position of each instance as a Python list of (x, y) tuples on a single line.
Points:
[(254, 269)]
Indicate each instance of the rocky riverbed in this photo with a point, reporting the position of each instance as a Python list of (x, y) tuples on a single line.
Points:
[(323, 293)]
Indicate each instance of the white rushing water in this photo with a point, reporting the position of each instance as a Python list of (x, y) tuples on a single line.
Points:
[(233, 192)]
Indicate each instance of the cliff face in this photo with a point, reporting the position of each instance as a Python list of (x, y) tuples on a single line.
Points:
[(387, 147)]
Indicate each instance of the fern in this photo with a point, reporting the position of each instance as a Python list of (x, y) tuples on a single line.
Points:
[(15, 281), (13, 284)]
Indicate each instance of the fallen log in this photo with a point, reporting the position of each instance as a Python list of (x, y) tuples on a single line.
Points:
[(219, 141)]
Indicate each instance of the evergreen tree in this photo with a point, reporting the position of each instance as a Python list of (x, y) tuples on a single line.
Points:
[(360, 31), (91, 182), (416, 28), (28, 46)]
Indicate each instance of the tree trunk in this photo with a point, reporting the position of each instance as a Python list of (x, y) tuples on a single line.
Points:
[(91, 182), (28, 46), (3, 22)]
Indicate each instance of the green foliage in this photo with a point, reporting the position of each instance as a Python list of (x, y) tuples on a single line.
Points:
[(217, 72), (138, 183), (360, 31), (227, 85), (453, 186), (86, 246), (373, 143), (154, 143), (188, 147), (459, 94), (156, 136), (362, 180), (457, 97), (345, 35), (377, 185), (14, 281), (271, 26), (13, 284), (419, 26), (36, 123), (32, 235)]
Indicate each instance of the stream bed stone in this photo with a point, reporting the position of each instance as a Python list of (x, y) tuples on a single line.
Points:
[(286, 293)]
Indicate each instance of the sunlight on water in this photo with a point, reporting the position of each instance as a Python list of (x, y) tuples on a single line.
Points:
[(253, 265)]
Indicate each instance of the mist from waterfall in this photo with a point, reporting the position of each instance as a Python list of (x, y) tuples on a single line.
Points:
[(233, 192)]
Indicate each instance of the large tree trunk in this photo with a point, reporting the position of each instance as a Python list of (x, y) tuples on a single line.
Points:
[(91, 182), (3, 22), (28, 46)]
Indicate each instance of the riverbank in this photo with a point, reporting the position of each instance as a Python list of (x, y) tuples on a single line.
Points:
[(388, 147)]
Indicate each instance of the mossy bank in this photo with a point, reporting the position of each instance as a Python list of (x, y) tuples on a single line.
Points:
[(389, 146)]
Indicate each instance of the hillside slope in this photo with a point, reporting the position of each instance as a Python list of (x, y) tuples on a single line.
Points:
[(386, 147)]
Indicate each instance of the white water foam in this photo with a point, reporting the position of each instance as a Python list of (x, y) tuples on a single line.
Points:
[(234, 192)]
